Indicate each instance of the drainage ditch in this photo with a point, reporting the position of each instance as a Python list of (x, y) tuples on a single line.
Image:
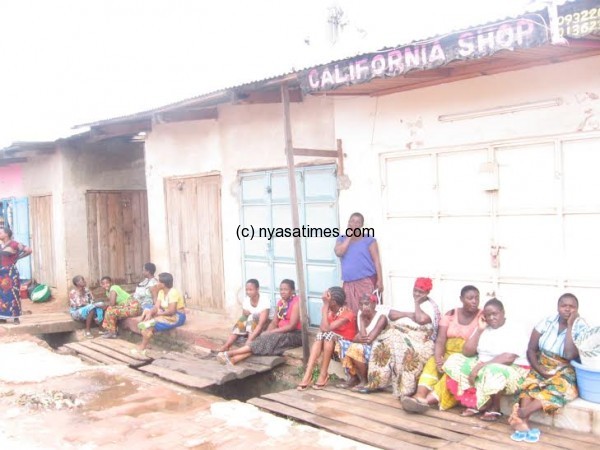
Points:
[(278, 379)]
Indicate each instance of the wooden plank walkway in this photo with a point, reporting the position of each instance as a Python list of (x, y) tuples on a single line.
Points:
[(108, 351), (182, 368), (206, 371), (378, 419)]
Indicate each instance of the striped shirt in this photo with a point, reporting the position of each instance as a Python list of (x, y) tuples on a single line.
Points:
[(553, 341)]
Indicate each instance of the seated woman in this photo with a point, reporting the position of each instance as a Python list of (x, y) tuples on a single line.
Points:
[(456, 327), (144, 291), (283, 331), (398, 356), (551, 383), (254, 318), (337, 323), (168, 311), (119, 306), (82, 306), (371, 322), (493, 361)]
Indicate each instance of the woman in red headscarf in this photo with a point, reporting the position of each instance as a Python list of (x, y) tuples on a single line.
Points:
[(402, 350)]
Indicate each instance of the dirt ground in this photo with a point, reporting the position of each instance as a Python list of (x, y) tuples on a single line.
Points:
[(52, 401)]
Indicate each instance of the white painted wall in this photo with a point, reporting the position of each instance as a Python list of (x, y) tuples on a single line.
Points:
[(371, 127), (250, 137), (245, 137)]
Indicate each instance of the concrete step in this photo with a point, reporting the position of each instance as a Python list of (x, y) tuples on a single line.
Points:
[(578, 415)]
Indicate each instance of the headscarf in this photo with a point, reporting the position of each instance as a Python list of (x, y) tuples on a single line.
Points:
[(423, 284)]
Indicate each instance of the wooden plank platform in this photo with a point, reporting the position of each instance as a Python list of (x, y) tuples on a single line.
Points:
[(45, 323), (378, 419), (109, 351), (203, 372)]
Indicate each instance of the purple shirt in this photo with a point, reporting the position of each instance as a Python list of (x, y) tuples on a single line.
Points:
[(357, 262)]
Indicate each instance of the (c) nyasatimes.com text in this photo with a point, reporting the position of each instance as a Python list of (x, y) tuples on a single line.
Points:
[(305, 231)]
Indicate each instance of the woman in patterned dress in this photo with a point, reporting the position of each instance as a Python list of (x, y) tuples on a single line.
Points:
[(10, 283), (492, 362), (402, 350), (371, 321), (551, 383), (456, 326)]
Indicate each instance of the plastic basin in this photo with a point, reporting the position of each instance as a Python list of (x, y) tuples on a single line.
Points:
[(41, 293), (588, 382)]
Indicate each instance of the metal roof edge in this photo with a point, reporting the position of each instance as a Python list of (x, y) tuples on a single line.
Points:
[(225, 93)]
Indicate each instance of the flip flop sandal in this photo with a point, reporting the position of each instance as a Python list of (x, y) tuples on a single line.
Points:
[(223, 358), (363, 390), (413, 405), (318, 386), (519, 436), (302, 387), (358, 388), (532, 437), (470, 412), (491, 416), (345, 385)]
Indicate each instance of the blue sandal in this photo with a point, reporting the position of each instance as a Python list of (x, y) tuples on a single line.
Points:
[(519, 436), (532, 436)]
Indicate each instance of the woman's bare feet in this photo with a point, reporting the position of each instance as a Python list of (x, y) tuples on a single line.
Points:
[(349, 384), (431, 399), (516, 422)]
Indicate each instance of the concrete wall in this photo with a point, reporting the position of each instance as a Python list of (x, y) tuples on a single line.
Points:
[(245, 137), (67, 174), (104, 166)]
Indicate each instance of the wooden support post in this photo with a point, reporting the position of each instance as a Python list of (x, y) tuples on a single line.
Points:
[(340, 156), (301, 285)]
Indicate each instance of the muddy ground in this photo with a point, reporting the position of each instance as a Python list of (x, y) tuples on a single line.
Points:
[(52, 401)]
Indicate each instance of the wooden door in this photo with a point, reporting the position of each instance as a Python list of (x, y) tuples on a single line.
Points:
[(42, 240), (118, 236), (195, 239)]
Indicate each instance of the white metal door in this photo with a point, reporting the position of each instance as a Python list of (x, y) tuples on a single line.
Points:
[(265, 203), (518, 219)]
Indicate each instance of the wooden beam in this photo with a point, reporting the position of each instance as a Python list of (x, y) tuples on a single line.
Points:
[(584, 43), (440, 72), (104, 132), (259, 97), (289, 152), (185, 115), (312, 152), (9, 161), (340, 152)]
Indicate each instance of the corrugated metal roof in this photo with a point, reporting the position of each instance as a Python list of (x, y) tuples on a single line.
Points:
[(532, 8), (224, 92)]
